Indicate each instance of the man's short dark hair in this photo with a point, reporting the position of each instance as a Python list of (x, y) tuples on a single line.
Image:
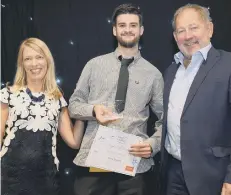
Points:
[(127, 9)]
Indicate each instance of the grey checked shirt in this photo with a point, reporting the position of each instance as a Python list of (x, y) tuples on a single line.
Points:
[(98, 84)]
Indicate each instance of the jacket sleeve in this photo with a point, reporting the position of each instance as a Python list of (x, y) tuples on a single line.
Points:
[(228, 174)]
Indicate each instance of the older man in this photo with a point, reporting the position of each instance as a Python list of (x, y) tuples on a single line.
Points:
[(196, 136)]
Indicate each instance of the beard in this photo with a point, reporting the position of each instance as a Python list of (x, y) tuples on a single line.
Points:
[(127, 44)]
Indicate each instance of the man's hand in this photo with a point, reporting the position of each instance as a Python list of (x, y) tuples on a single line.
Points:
[(103, 115), (143, 150), (226, 190)]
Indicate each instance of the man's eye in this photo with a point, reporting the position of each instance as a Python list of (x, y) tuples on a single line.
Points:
[(180, 31), (194, 28)]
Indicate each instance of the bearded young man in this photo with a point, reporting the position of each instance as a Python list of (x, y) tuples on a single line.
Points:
[(104, 79)]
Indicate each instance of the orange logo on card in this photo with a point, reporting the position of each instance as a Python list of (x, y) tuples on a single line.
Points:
[(128, 168)]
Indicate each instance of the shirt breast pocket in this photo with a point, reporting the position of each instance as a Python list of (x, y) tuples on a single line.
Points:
[(103, 83), (139, 92)]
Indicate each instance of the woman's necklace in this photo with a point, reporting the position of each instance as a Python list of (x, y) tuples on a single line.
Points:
[(34, 98)]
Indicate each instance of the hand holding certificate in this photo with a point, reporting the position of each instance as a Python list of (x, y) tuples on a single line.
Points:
[(110, 151)]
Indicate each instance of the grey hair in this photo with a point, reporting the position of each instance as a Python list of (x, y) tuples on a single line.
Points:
[(203, 11)]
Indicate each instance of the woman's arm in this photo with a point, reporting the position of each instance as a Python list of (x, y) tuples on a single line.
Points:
[(4, 117), (71, 135)]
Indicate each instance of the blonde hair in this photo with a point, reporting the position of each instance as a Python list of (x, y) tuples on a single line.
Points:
[(49, 83), (203, 12)]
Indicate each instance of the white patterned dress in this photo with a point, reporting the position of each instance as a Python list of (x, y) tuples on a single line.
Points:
[(29, 165)]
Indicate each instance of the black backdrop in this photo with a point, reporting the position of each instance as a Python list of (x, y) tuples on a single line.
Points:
[(76, 31)]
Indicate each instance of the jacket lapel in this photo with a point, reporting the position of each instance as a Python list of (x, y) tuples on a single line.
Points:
[(213, 57), (170, 76)]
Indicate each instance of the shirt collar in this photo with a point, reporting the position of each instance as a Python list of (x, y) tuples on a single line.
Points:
[(136, 57), (179, 57)]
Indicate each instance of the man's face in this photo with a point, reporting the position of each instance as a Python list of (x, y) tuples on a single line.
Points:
[(192, 32), (127, 30)]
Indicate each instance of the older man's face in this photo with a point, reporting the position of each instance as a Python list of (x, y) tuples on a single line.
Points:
[(192, 32)]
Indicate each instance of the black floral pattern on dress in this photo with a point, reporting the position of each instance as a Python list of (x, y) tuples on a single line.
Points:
[(29, 165)]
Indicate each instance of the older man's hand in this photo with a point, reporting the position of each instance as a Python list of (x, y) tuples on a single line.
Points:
[(226, 190)]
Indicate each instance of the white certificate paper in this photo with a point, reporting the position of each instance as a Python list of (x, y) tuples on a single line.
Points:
[(109, 151)]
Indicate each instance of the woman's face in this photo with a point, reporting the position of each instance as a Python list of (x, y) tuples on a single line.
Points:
[(34, 64)]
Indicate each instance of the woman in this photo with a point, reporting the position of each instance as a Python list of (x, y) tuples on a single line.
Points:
[(32, 111)]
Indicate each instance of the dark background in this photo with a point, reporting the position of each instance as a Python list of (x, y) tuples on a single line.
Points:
[(76, 31)]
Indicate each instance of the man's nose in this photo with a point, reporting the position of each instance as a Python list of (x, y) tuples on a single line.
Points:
[(127, 29), (188, 34)]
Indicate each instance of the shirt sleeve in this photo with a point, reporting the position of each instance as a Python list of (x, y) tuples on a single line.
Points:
[(157, 107), (78, 103)]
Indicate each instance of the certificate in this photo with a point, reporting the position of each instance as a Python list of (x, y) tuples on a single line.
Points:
[(109, 151)]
